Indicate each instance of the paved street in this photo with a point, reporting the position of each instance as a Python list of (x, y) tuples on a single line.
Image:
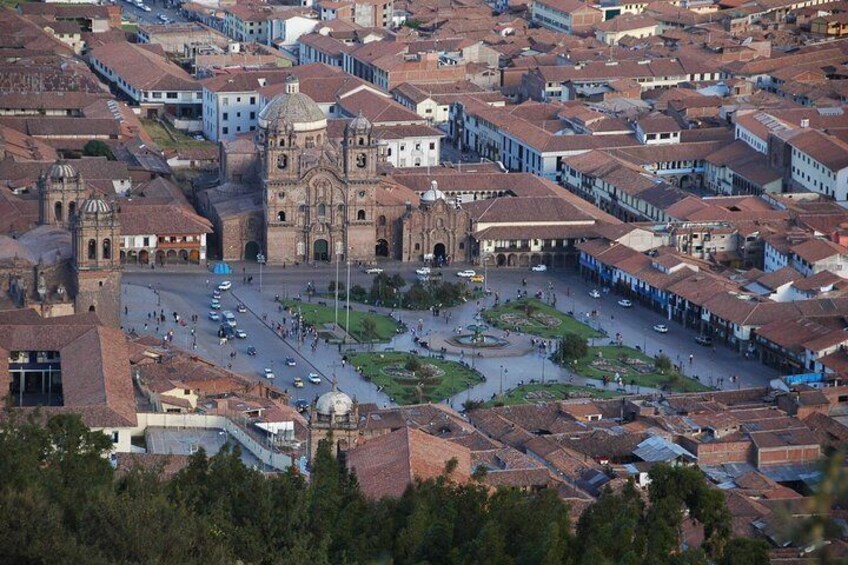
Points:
[(135, 14), (184, 290)]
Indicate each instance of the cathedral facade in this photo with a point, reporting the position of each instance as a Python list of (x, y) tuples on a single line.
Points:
[(319, 199)]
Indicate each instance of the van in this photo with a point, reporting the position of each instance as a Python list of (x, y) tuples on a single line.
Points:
[(229, 319)]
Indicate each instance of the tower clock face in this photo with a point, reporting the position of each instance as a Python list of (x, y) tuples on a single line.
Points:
[(361, 159)]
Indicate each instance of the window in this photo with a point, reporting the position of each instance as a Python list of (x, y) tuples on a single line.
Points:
[(226, 116), (171, 95), (281, 216), (92, 249), (322, 210), (146, 242), (225, 130), (253, 115), (115, 437), (418, 247), (381, 221), (238, 114), (157, 95), (281, 195), (107, 248), (360, 215), (253, 99), (432, 145), (225, 101)]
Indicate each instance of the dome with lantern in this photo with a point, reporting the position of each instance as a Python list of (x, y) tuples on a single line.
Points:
[(61, 170), (292, 111), (432, 194), (359, 125), (334, 403), (95, 205)]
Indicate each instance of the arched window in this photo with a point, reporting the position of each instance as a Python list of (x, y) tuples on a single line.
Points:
[(381, 221), (360, 215), (322, 210), (282, 142), (361, 141), (302, 208), (107, 248), (341, 207), (281, 216), (72, 208), (282, 161), (57, 211), (418, 247), (92, 249)]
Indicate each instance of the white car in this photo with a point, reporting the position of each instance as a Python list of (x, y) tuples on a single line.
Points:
[(595, 293), (215, 305), (466, 274), (268, 373), (661, 328), (226, 285), (423, 271), (298, 382), (241, 334), (214, 316), (624, 303), (314, 378), (539, 268), (373, 271)]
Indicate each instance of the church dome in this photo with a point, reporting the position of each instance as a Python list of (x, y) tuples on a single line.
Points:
[(359, 124), (433, 193), (292, 110), (334, 403), (95, 205), (62, 170)]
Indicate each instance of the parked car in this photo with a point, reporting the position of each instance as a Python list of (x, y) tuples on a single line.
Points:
[(595, 293), (216, 293), (661, 328), (241, 334), (704, 340), (314, 378), (466, 274), (539, 268), (373, 271), (241, 308), (215, 305), (226, 285), (422, 271), (301, 405), (268, 373), (290, 361), (214, 316), (477, 279), (251, 350), (298, 382), (624, 303)]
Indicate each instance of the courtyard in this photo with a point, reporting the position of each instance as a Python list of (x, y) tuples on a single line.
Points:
[(365, 327), (412, 379), (539, 393), (634, 368), (533, 316)]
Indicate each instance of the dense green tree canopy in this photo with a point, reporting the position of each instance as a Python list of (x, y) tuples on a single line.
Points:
[(61, 502)]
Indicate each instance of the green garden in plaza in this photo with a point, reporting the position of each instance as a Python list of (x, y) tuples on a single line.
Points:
[(634, 367), (413, 379), (533, 316), (539, 393), (365, 327)]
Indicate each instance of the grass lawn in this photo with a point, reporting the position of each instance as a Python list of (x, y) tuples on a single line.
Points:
[(180, 140), (318, 315), (544, 321), (673, 381), (386, 369), (539, 393), (132, 28)]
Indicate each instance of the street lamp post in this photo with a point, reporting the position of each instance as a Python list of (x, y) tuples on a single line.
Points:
[(260, 258), (503, 370), (543, 368), (347, 297)]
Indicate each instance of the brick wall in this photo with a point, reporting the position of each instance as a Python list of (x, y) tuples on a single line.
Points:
[(788, 454)]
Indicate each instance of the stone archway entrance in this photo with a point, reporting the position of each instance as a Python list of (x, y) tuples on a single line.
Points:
[(160, 257), (143, 257), (251, 250), (321, 250), (439, 253), (382, 249)]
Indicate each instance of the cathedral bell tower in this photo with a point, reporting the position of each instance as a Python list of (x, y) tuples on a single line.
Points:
[(96, 235), (61, 190), (361, 151)]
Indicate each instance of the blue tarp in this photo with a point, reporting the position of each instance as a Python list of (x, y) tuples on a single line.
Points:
[(805, 378), (221, 269)]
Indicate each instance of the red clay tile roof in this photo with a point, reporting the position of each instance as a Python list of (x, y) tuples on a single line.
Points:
[(386, 465)]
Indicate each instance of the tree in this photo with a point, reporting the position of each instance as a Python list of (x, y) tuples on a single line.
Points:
[(744, 551), (97, 148), (571, 346), (368, 330), (663, 363), (332, 287)]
